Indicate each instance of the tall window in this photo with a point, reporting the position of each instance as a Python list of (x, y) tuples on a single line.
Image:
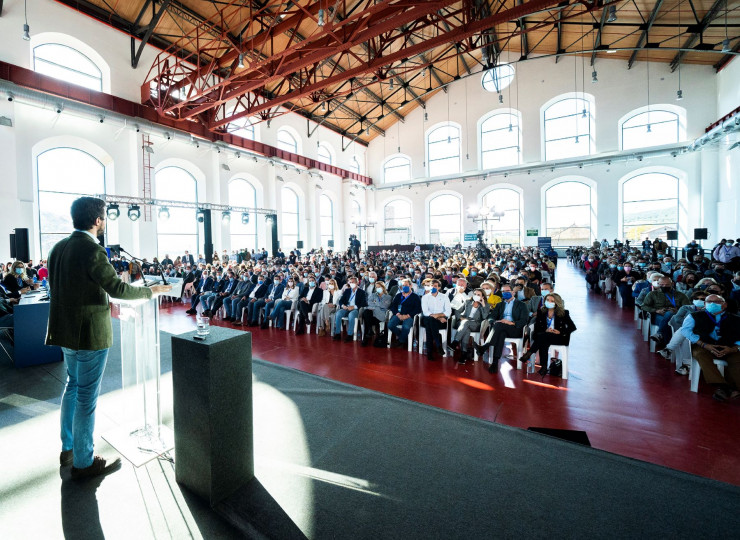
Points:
[(397, 222), (180, 231), (443, 150), (243, 235), (354, 165), (445, 220), (568, 211), (64, 174), (290, 221), (500, 140), (286, 141), (356, 218), (68, 64), (568, 127), (651, 128), (507, 229), (326, 209), (242, 127), (397, 169), (649, 206), (324, 154)]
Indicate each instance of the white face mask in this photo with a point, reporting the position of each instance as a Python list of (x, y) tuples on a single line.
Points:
[(352, 285), (379, 290), (427, 288), (487, 292), (477, 298), (331, 287)]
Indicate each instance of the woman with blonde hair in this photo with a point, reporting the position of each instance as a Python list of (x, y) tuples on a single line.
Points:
[(16, 281), (490, 288), (552, 326), (328, 306), (376, 311)]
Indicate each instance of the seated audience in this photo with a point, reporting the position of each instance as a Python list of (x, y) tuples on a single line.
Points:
[(353, 298), (436, 310), (552, 326), (376, 311), (507, 320), (405, 306), (469, 321)]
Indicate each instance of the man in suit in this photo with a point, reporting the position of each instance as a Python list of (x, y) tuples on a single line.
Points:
[(231, 302), (188, 258), (167, 261), (472, 315), (205, 283), (311, 295), (508, 319), (258, 291), (405, 306), (274, 292), (228, 285), (353, 298), (81, 280)]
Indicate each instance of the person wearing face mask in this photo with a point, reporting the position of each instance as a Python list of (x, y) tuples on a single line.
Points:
[(697, 304), (458, 296), (526, 294), (507, 320), (311, 296), (643, 288), (218, 285), (475, 277), (204, 284), (376, 311), (435, 309), (231, 302), (715, 333), (663, 304), (215, 302), (471, 317), (353, 298), (405, 306), (328, 306), (533, 273), (290, 295), (16, 281), (267, 302), (491, 291), (591, 266), (624, 278), (552, 326)]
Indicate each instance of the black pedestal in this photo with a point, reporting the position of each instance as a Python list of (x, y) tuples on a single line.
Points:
[(212, 406)]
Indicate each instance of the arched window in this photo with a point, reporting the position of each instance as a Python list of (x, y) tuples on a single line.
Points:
[(326, 209), (443, 150), (507, 229), (243, 235), (68, 64), (397, 169), (354, 165), (324, 154), (242, 127), (356, 218), (64, 174), (652, 127), (180, 231), (498, 78), (649, 206), (568, 212), (500, 140), (568, 128), (445, 225), (286, 141), (290, 220), (397, 222)]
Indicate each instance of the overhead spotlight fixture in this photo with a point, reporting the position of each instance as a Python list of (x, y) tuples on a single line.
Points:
[(164, 213), (238, 155), (200, 216), (611, 51), (500, 97), (679, 95), (5, 121), (484, 55), (576, 139), (612, 14), (593, 77), (26, 28), (639, 158), (113, 211), (726, 46), (241, 61), (511, 127), (101, 119), (426, 116), (60, 108), (321, 21), (367, 131), (134, 212), (11, 96), (391, 84), (138, 129), (254, 158), (148, 149), (268, 218), (167, 136), (245, 218), (225, 167), (226, 217), (272, 163)]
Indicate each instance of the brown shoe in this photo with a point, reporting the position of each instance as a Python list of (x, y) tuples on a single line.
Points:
[(99, 467), (65, 458), (322, 332)]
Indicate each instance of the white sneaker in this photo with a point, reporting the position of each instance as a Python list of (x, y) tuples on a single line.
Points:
[(683, 370), (665, 353)]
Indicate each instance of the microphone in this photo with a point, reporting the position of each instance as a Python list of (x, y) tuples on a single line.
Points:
[(143, 276)]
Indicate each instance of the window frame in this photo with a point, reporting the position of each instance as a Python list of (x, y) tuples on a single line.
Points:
[(591, 206), (35, 58), (429, 161), (197, 228), (622, 201), (297, 216), (430, 217), (236, 217), (520, 198), (323, 234), (481, 140), (289, 133), (390, 159), (587, 99), (410, 217), (678, 112)]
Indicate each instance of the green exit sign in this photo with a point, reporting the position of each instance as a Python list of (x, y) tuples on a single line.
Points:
[(533, 232)]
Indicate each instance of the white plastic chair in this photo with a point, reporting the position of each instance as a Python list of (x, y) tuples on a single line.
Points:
[(562, 351), (695, 373), (412, 333), (423, 337)]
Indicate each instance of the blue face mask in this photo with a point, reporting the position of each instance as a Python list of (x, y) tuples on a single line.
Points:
[(506, 295), (434, 290), (713, 308), (311, 283), (699, 304), (19, 271), (613, 266), (550, 305), (406, 289), (473, 273), (620, 267)]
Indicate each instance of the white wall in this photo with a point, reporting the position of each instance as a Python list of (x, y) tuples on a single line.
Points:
[(727, 169)]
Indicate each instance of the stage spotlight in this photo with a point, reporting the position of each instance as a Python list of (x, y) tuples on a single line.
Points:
[(245, 218), (226, 217), (200, 215), (164, 213), (113, 212), (134, 212)]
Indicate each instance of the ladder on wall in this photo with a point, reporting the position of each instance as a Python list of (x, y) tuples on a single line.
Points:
[(146, 160)]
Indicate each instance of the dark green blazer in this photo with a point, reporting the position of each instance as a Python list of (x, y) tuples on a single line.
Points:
[(80, 279)]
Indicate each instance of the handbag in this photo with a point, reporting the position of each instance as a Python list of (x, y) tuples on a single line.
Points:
[(556, 368), (380, 340)]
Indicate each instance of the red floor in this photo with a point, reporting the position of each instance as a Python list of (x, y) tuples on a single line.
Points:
[(627, 399)]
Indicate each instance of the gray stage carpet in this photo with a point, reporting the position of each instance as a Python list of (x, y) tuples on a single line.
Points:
[(345, 462)]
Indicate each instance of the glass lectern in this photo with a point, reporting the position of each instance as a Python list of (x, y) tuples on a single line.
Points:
[(140, 436)]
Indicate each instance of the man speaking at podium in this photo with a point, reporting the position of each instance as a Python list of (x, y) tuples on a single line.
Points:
[(81, 278)]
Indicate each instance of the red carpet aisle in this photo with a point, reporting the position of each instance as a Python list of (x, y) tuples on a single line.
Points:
[(628, 400)]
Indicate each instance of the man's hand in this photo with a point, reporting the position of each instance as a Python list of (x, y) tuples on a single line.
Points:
[(24, 290), (252, 300), (305, 300), (506, 321), (160, 289), (723, 351), (552, 331), (660, 311), (716, 350)]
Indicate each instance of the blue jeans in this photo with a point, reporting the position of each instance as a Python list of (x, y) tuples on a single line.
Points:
[(253, 310), (662, 322), (84, 373), (351, 318), (230, 306), (401, 328), (278, 314)]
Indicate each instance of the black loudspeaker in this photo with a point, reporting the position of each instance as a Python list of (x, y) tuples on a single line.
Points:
[(22, 251), (700, 234), (671, 235), (299, 244), (12, 246), (331, 243)]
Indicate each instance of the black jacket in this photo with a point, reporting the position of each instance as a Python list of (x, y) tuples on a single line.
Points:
[(520, 313), (360, 298), (563, 324)]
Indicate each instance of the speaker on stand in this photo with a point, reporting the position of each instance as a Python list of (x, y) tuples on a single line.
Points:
[(21, 250)]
